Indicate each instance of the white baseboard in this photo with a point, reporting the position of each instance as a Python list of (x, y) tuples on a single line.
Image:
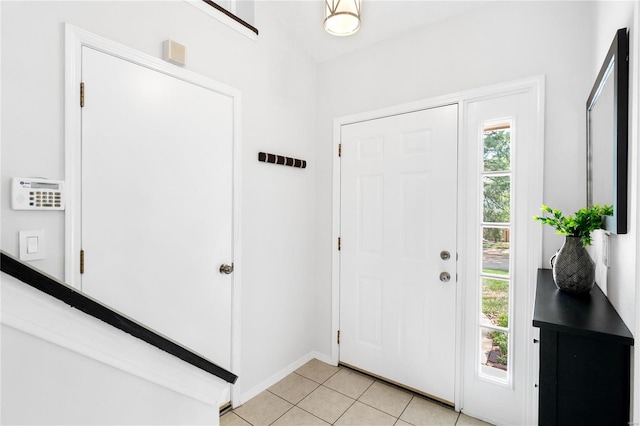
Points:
[(266, 384)]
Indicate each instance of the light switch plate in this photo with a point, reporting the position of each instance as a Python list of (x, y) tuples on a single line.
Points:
[(27, 251), (605, 249)]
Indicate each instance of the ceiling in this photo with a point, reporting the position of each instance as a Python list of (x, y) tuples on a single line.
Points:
[(381, 19)]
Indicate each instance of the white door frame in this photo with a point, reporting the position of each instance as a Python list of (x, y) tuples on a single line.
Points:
[(532, 84), (75, 39)]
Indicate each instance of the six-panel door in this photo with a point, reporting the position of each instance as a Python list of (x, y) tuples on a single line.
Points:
[(398, 248)]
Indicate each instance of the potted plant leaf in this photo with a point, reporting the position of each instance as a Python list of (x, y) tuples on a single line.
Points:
[(573, 268)]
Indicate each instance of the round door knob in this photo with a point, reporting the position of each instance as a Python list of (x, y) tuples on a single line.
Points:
[(445, 277), (226, 269)]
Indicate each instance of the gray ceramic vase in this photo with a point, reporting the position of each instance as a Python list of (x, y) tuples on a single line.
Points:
[(574, 271)]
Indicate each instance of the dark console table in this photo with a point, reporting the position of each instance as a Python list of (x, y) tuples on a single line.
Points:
[(584, 358)]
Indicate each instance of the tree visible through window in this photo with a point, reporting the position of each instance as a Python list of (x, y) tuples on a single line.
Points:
[(495, 280)]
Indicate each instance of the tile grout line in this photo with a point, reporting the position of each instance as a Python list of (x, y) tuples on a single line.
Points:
[(402, 388), (240, 417), (300, 408), (360, 396), (296, 404), (316, 388), (317, 384), (376, 408), (354, 400), (319, 418), (405, 409), (282, 415), (340, 416), (327, 387)]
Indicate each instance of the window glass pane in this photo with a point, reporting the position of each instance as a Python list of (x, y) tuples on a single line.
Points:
[(497, 199), (495, 350), (495, 301), (497, 150), (495, 251), (495, 277)]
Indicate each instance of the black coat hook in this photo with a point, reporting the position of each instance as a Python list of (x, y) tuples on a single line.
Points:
[(280, 159)]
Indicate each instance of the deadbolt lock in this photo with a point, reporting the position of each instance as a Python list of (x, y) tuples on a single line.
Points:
[(445, 255)]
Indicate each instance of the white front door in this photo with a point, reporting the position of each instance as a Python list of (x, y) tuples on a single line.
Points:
[(157, 201), (398, 248)]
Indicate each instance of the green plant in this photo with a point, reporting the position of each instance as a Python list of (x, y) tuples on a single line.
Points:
[(580, 224), (495, 298), (501, 340), (503, 320)]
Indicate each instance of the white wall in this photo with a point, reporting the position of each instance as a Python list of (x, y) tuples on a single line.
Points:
[(286, 223), (622, 280), (565, 41), (499, 43), (277, 82), (80, 390), (624, 274)]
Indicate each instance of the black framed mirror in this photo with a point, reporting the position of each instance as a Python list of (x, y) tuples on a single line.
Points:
[(607, 135)]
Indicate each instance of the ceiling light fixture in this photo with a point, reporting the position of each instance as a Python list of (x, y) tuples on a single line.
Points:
[(342, 17)]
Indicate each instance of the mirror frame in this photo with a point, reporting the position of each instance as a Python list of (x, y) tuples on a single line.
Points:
[(618, 58)]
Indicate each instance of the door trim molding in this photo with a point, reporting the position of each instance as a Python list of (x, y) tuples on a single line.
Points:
[(75, 39), (536, 84)]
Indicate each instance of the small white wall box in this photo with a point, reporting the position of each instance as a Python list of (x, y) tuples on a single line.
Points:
[(174, 52), (37, 194)]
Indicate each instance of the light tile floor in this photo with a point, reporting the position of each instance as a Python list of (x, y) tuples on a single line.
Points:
[(321, 394)]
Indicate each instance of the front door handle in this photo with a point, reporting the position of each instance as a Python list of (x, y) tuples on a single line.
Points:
[(226, 269)]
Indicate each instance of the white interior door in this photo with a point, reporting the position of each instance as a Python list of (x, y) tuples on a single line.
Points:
[(157, 201), (398, 221)]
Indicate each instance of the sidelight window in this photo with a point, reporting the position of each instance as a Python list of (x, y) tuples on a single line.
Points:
[(495, 277)]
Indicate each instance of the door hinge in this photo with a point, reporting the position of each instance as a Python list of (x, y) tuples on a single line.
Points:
[(82, 261), (339, 243), (338, 336), (339, 150), (81, 95)]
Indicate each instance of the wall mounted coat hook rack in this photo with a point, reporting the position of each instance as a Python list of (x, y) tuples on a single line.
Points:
[(280, 159)]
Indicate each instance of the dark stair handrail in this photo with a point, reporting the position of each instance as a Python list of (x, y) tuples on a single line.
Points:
[(69, 295)]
